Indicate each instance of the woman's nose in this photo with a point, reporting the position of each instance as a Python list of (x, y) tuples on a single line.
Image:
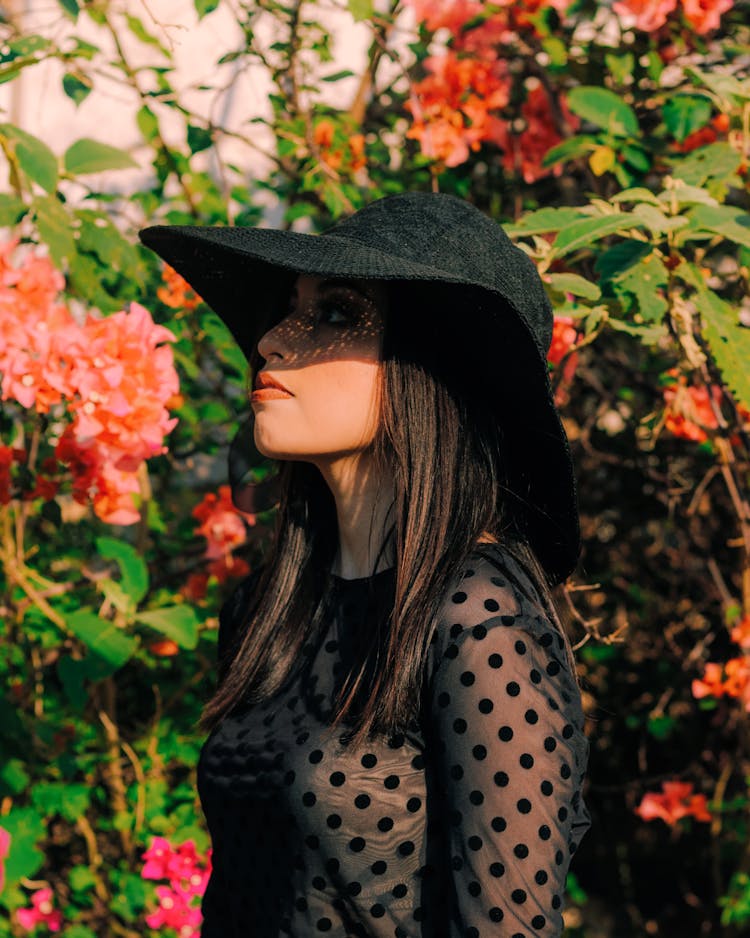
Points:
[(275, 340)]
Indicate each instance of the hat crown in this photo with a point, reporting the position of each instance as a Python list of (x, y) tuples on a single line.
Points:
[(449, 234)]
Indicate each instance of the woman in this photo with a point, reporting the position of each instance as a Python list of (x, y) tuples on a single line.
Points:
[(397, 742)]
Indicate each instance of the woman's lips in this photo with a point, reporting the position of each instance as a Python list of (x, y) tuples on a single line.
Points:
[(268, 394)]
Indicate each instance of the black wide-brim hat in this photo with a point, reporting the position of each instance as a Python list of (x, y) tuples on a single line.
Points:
[(432, 238)]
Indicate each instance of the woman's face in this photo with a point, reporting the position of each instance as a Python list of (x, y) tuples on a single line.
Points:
[(326, 352)]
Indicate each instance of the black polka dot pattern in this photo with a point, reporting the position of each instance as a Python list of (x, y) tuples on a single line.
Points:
[(463, 826)]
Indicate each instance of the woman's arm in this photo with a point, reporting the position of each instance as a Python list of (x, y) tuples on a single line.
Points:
[(510, 760)]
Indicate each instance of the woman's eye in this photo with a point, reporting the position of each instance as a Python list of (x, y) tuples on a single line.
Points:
[(333, 312)]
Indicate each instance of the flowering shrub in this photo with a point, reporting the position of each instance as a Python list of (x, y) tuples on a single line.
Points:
[(612, 142), (187, 878)]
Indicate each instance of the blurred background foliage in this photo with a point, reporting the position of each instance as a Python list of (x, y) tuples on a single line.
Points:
[(613, 142)]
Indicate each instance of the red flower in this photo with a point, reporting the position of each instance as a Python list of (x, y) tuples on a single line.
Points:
[(675, 802)]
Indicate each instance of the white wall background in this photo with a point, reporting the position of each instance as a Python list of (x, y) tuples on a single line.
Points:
[(36, 102)]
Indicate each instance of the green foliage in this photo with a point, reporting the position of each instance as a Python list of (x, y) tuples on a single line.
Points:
[(638, 218)]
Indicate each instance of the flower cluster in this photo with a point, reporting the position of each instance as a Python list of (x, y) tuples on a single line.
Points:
[(689, 410), (458, 105), (675, 801), (41, 912), (223, 527), (648, 15), (187, 877), (565, 336), (5, 840), (177, 292), (732, 679), (349, 155), (110, 374)]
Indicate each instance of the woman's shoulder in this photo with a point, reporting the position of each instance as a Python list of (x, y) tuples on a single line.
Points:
[(493, 581), (491, 589)]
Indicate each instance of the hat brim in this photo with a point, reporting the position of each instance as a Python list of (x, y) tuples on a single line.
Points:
[(241, 272), (238, 271)]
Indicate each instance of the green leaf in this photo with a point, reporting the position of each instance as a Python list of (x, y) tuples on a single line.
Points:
[(23, 47), (716, 161), (204, 7), (133, 570), (683, 194), (147, 123), (140, 32), (620, 67), (72, 673), (543, 220), (34, 157), (557, 51), (80, 879), (657, 221), (361, 9), (621, 257), (604, 109), (103, 637), (70, 7), (732, 223), (64, 798), (728, 340), (636, 157), (77, 86), (14, 778), (91, 156), (578, 286), (176, 622), (685, 113), (730, 90), (54, 227), (26, 829), (569, 149), (198, 138), (12, 210), (645, 281), (336, 76), (636, 194), (585, 232)]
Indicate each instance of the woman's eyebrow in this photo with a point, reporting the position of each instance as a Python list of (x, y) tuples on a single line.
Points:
[(340, 282)]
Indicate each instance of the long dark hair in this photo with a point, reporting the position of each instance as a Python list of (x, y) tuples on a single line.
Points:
[(443, 446)]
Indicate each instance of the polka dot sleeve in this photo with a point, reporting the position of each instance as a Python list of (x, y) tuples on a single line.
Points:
[(510, 756)]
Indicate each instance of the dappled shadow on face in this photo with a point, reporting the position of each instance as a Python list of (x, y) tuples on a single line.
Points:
[(326, 319)]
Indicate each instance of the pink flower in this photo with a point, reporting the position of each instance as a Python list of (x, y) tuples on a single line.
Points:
[(704, 15), (41, 912), (187, 880), (649, 14), (5, 840)]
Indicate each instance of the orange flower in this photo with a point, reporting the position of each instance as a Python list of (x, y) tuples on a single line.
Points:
[(177, 294), (688, 409), (332, 158), (741, 633), (165, 648), (222, 523), (357, 150), (675, 802), (736, 684), (711, 684), (323, 133)]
